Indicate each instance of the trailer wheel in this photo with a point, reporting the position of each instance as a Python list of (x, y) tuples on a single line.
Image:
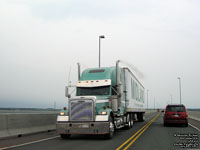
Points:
[(141, 117), (65, 136), (132, 122), (111, 129)]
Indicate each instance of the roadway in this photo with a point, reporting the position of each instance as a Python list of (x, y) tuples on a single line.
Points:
[(150, 134)]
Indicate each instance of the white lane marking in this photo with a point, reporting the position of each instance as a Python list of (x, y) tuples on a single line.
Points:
[(14, 146), (194, 118), (194, 127)]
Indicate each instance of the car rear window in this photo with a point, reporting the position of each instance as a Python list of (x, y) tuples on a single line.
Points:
[(175, 109)]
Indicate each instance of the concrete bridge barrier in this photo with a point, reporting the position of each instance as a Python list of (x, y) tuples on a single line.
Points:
[(19, 124), (194, 115), (3, 126)]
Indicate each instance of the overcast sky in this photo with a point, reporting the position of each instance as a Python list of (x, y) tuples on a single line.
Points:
[(40, 40)]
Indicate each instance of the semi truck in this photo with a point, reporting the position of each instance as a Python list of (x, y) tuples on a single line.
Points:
[(106, 99)]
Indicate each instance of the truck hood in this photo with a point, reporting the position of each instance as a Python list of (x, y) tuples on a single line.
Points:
[(102, 97)]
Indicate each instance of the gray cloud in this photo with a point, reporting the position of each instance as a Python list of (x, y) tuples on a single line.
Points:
[(40, 40)]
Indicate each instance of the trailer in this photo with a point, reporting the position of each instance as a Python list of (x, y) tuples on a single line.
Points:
[(107, 99)]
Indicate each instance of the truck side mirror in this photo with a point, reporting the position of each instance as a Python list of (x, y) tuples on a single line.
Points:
[(119, 95), (67, 92)]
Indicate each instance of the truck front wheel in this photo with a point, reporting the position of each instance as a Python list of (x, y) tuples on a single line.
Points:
[(111, 129)]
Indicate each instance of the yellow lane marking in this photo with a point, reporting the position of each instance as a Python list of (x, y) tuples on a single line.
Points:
[(132, 136), (140, 133), (136, 134)]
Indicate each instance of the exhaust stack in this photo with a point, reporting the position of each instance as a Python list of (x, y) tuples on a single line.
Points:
[(118, 83), (79, 71)]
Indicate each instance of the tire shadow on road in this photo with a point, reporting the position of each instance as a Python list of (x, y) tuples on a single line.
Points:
[(179, 125), (174, 125), (86, 137)]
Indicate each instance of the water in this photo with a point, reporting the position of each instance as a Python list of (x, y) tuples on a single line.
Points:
[(28, 111)]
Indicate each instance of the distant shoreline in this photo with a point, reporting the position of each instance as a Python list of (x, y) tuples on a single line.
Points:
[(28, 109), (52, 109)]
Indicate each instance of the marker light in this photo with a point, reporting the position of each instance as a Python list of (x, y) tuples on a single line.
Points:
[(103, 113), (62, 113)]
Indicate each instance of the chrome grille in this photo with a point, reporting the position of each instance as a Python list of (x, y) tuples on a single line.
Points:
[(81, 110)]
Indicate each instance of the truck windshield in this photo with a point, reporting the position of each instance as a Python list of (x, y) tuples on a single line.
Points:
[(102, 90)]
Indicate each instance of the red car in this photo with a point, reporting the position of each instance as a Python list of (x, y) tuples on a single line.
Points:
[(176, 114)]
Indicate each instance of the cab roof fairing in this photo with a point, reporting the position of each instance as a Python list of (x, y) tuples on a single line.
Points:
[(108, 73)]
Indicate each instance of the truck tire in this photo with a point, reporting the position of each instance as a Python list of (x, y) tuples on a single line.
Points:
[(65, 136), (132, 120), (141, 117), (111, 129)]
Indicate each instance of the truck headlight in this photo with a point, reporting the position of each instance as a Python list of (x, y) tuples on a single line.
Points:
[(62, 113), (103, 113)]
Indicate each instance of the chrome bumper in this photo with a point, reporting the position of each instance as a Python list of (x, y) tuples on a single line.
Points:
[(82, 128)]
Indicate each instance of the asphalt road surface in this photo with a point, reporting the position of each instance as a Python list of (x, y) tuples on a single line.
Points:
[(147, 135)]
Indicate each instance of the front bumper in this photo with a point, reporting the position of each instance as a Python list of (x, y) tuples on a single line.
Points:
[(82, 127), (173, 121)]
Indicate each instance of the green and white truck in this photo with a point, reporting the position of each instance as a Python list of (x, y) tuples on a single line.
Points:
[(107, 99)]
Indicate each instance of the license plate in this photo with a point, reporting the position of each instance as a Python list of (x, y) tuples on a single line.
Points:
[(176, 115), (85, 126)]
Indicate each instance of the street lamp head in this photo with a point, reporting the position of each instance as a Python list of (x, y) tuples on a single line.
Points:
[(179, 78), (102, 36)]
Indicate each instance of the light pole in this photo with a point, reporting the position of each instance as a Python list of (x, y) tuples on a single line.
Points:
[(147, 98), (171, 98), (100, 37), (179, 87)]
